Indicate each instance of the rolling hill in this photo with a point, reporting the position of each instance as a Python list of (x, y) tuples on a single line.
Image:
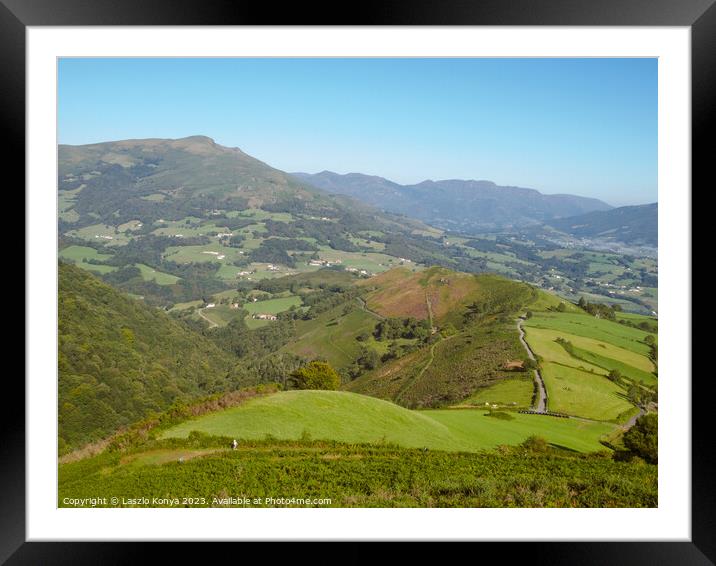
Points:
[(456, 204), (330, 448), (636, 225), (440, 294), (120, 359), (175, 221), (348, 417), (133, 178), (472, 335), (179, 221)]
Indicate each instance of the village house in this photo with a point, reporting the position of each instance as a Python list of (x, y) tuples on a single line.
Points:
[(264, 316)]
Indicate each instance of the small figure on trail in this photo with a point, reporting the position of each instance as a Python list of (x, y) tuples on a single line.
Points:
[(181, 459), (234, 444)]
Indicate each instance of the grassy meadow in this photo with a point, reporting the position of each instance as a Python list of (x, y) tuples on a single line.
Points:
[(575, 372), (353, 418)]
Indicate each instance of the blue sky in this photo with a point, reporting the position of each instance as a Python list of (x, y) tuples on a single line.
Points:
[(580, 126)]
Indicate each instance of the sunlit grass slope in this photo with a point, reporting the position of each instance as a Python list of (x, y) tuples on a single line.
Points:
[(349, 417)]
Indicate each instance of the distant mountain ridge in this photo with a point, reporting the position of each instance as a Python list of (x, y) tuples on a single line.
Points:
[(454, 203), (629, 224)]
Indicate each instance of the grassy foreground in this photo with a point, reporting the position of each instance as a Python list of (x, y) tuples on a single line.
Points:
[(299, 473)]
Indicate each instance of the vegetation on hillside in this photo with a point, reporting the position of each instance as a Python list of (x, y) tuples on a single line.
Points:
[(315, 375), (204, 471), (120, 359)]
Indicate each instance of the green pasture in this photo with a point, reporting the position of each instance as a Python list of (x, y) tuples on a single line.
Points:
[(349, 417), (513, 392), (103, 233), (151, 274), (581, 393), (599, 347), (543, 344), (599, 329), (78, 253), (197, 254), (273, 306), (372, 262)]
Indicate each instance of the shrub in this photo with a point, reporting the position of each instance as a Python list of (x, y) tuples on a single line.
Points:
[(642, 439), (535, 444), (316, 375)]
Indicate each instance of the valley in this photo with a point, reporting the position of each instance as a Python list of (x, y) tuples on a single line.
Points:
[(199, 286)]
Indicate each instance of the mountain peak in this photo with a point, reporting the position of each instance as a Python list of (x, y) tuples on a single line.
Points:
[(198, 137)]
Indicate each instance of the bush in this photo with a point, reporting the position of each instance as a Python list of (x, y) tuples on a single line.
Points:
[(642, 439), (316, 375), (535, 444)]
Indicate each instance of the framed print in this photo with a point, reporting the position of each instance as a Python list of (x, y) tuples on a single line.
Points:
[(390, 279)]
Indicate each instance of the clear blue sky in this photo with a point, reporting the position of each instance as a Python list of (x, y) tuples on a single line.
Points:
[(580, 126)]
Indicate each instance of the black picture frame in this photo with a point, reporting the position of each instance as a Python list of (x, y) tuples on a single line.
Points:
[(699, 15)]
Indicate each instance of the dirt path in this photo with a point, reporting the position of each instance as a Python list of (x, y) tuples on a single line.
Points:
[(541, 401), (430, 310), (424, 368), (431, 351), (364, 306), (212, 324)]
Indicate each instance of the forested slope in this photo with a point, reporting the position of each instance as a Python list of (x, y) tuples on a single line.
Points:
[(120, 359)]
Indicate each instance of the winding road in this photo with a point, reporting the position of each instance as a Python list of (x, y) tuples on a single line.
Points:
[(541, 401), (632, 421)]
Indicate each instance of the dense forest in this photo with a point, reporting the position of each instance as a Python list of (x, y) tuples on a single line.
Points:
[(120, 359)]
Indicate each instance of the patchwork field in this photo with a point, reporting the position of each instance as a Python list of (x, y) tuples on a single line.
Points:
[(598, 347), (150, 274), (109, 235), (209, 252), (369, 261), (81, 254), (581, 393), (272, 306), (543, 344), (577, 351), (588, 326)]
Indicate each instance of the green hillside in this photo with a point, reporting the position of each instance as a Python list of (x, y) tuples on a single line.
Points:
[(119, 359), (442, 294), (197, 218), (328, 415), (352, 418), (473, 335), (179, 220)]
